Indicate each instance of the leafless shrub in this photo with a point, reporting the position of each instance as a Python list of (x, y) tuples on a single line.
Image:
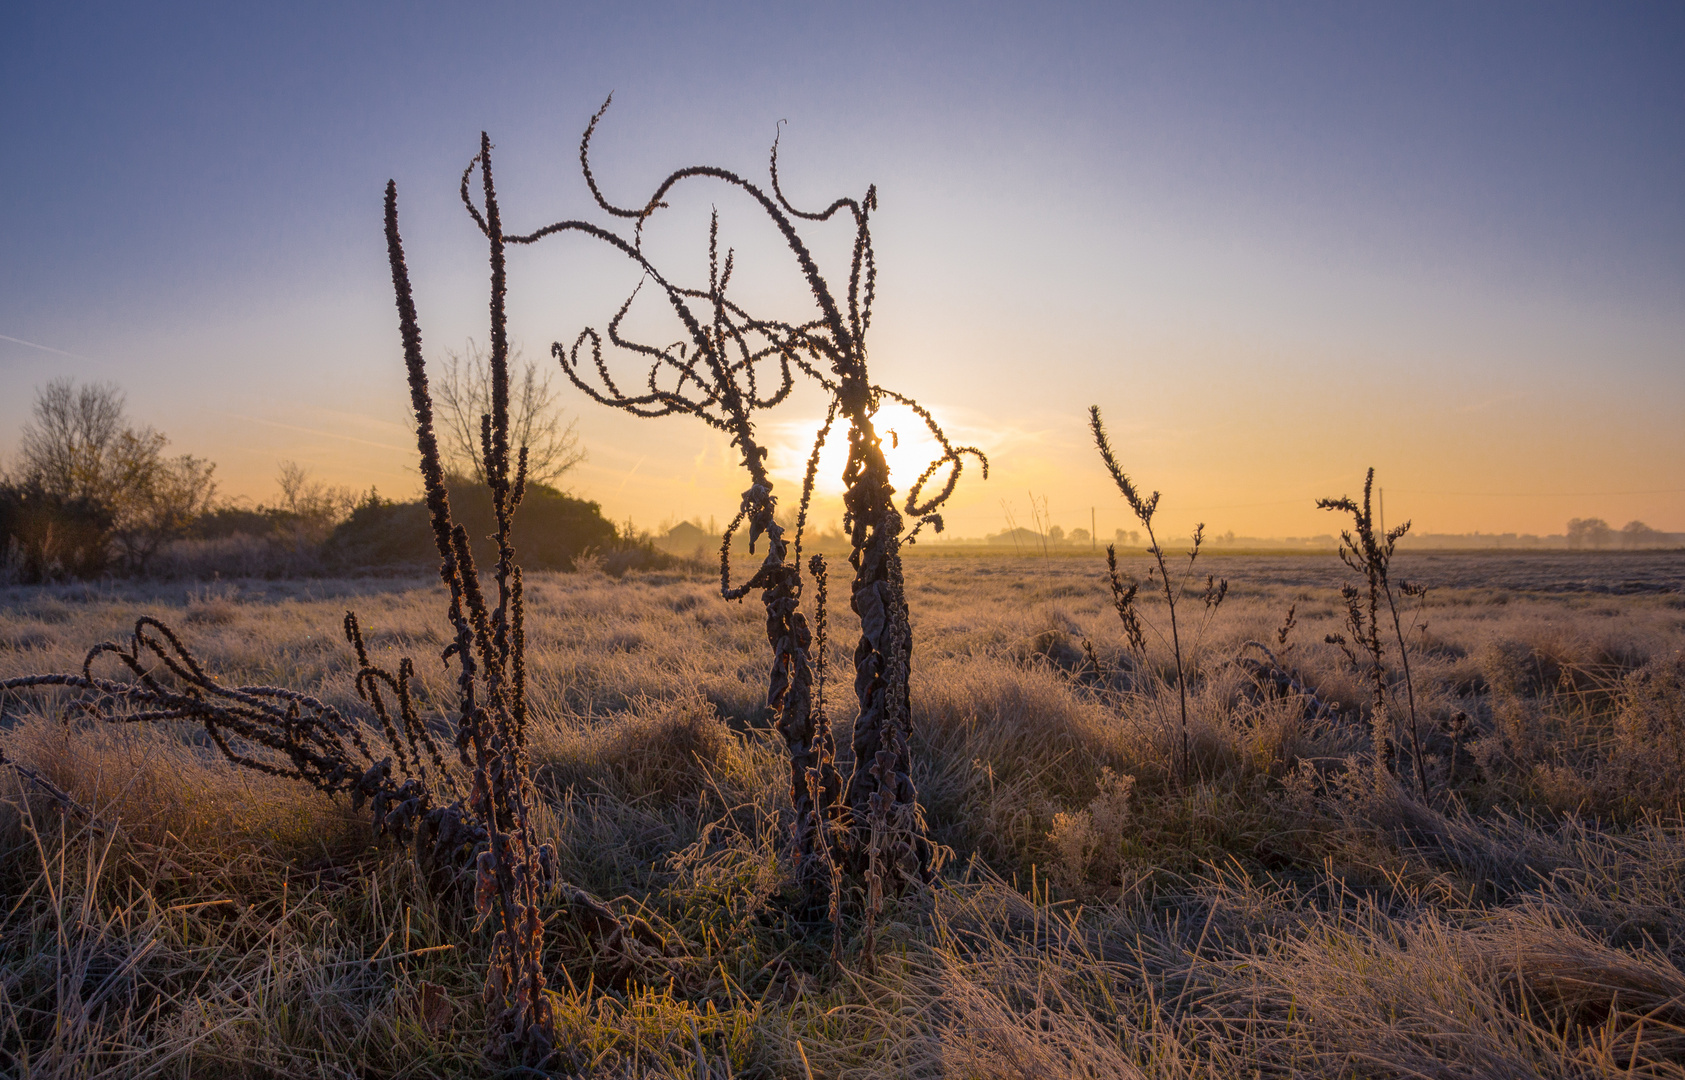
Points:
[(315, 506), (536, 421)]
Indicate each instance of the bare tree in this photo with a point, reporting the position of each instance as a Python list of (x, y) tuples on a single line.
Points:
[(168, 495), (536, 422), (74, 447), (80, 445), (1589, 532), (317, 505)]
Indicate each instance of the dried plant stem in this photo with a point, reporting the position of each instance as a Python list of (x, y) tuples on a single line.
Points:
[(790, 693), (1409, 683), (879, 864), (1176, 646), (1144, 508), (828, 348), (52, 791), (716, 382), (1370, 553), (512, 873), (882, 658), (823, 782)]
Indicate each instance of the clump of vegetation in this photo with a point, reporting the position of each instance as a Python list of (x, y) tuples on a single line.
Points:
[(553, 531), (51, 537)]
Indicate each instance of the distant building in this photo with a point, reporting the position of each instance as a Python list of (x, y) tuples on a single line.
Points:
[(684, 534), (1019, 536)]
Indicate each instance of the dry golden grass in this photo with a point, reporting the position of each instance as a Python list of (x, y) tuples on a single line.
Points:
[(1276, 917)]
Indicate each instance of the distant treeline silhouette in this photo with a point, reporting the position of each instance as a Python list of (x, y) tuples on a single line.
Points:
[(92, 495)]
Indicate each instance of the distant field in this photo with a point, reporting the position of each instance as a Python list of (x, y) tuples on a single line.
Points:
[(1278, 916), (1544, 571)]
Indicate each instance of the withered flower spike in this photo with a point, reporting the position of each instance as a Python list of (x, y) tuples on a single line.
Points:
[(727, 344)]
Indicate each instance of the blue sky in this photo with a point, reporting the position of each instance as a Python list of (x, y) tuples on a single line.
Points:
[(1277, 243)]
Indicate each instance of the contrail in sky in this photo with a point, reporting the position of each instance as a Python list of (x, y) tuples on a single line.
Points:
[(323, 434), (628, 476), (45, 348)]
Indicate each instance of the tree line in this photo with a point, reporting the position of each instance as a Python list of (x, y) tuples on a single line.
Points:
[(93, 493), (1597, 533)]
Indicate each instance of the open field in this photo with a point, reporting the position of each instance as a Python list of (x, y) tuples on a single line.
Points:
[(1619, 572), (1280, 914)]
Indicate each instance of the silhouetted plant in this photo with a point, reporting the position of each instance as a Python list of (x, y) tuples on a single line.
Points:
[(1123, 600), (1123, 597), (1370, 553), (830, 349), (714, 378), (321, 746), (826, 811), (489, 649), (881, 786)]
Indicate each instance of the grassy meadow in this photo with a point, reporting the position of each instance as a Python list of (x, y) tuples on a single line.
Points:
[(1280, 912)]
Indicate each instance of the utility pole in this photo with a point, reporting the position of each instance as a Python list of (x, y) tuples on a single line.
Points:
[(1093, 537), (1383, 511)]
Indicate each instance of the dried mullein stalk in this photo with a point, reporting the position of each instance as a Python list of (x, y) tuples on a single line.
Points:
[(713, 377), (1144, 508), (828, 347)]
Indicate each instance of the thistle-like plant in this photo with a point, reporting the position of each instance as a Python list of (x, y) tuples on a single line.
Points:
[(880, 788), (1370, 553)]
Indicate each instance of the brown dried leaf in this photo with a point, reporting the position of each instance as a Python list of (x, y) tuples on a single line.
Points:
[(431, 1007)]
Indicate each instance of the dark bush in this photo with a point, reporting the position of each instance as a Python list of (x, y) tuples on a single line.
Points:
[(550, 529), (229, 521), (47, 537)]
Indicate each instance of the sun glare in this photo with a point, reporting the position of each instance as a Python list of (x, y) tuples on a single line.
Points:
[(908, 447)]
